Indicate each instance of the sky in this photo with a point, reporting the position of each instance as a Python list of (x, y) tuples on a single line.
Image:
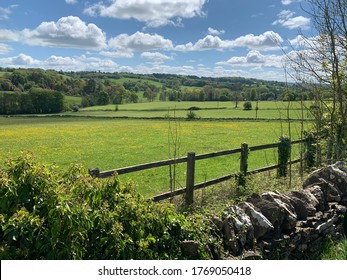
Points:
[(210, 38)]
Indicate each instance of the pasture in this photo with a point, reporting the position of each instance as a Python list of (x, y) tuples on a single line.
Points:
[(217, 110), (113, 143)]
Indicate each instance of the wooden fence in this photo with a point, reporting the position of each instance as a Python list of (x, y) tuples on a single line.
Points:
[(190, 159)]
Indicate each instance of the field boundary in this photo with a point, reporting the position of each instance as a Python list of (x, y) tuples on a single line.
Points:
[(190, 159)]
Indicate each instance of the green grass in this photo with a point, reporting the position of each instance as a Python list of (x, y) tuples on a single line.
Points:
[(112, 143), (335, 250), (122, 80), (211, 113), (268, 110), (72, 100), (263, 105)]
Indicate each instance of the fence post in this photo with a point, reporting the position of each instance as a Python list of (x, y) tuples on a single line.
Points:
[(310, 150), (284, 151), (243, 163), (190, 179)]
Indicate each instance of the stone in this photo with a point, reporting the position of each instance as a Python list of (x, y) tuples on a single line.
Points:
[(331, 194), (302, 209), (335, 175), (324, 226), (339, 208), (190, 249), (252, 255), (261, 224), (317, 192), (242, 224), (304, 203), (230, 240), (306, 196), (277, 208)]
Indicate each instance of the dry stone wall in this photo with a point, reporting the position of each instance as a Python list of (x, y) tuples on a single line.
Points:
[(293, 225)]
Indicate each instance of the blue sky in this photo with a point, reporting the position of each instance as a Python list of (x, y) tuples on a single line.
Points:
[(190, 37)]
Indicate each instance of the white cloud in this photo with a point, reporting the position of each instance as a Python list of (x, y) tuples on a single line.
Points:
[(80, 63), (213, 31), (301, 41), (66, 32), (155, 56), (117, 54), (287, 19), (288, 2), (139, 42), (6, 12), (154, 13), (59, 61), (9, 35), (269, 40), (71, 1), (297, 22), (255, 59), (210, 42), (4, 48), (21, 60)]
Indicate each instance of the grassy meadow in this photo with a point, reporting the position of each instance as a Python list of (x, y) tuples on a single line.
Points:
[(207, 110), (113, 143)]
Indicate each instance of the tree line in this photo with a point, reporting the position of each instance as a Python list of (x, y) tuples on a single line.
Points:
[(97, 88), (36, 101)]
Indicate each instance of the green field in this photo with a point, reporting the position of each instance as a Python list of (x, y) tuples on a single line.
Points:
[(113, 143), (218, 110), (72, 100)]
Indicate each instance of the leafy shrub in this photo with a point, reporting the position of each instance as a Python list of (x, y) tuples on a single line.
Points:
[(48, 215), (75, 108), (247, 105), (191, 115), (194, 108)]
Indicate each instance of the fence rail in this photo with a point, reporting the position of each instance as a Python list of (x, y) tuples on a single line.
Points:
[(190, 174)]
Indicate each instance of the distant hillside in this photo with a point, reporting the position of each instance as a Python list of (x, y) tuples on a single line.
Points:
[(98, 88)]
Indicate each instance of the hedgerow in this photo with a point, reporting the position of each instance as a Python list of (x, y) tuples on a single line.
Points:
[(46, 214)]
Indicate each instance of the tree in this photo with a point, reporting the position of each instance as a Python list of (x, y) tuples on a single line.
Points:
[(236, 96), (90, 87), (321, 63), (46, 101)]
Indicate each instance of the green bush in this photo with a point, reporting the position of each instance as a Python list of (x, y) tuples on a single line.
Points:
[(247, 105), (191, 115), (48, 215)]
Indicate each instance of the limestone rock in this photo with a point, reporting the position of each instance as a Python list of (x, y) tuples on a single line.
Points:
[(229, 237), (304, 203), (330, 192), (335, 175), (317, 192), (252, 255), (277, 208), (261, 224), (242, 223)]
